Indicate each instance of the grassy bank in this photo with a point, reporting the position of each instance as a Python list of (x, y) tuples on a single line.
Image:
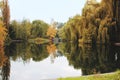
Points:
[(109, 76), (39, 40)]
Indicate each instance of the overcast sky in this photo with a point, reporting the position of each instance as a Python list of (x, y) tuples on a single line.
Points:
[(59, 10)]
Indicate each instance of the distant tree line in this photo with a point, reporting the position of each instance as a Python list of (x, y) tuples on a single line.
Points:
[(99, 23), (25, 29)]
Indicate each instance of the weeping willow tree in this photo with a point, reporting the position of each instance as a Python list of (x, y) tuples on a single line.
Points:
[(116, 16), (96, 24)]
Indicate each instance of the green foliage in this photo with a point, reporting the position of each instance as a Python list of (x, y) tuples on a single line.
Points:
[(25, 30), (70, 30), (20, 30), (39, 29), (27, 51)]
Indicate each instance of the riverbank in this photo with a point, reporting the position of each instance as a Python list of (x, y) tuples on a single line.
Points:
[(106, 76), (39, 40)]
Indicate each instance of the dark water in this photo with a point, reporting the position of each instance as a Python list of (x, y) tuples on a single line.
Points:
[(25, 61)]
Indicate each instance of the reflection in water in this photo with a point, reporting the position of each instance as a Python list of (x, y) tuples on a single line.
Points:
[(53, 52), (4, 65), (91, 59), (27, 51), (6, 70)]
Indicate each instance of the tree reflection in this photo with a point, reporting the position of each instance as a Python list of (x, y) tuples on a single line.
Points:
[(6, 70), (38, 52), (4, 65), (3, 58), (26, 51), (22, 51), (19, 51), (51, 48), (92, 59)]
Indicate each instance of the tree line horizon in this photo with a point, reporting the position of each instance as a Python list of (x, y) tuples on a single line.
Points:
[(99, 23)]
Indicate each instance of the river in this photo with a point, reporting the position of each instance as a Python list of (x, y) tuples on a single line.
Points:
[(25, 61)]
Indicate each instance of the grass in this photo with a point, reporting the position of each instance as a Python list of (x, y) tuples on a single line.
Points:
[(108, 76)]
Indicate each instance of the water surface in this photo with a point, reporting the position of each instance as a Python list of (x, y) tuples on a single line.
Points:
[(26, 61)]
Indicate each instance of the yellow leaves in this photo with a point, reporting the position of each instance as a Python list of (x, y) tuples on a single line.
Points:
[(51, 48), (2, 33), (51, 32)]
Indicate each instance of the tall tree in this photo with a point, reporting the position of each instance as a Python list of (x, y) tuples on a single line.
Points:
[(51, 31), (6, 13), (2, 33)]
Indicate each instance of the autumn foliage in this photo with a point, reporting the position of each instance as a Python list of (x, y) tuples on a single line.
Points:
[(51, 48), (96, 24), (2, 33), (51, 32)]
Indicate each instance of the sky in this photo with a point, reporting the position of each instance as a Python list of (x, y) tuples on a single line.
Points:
[(46, 10)]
